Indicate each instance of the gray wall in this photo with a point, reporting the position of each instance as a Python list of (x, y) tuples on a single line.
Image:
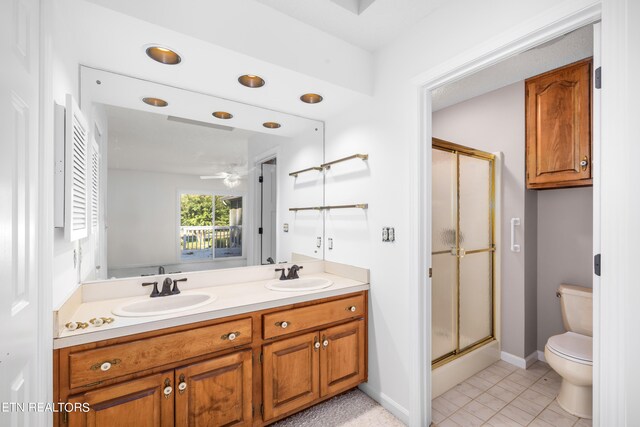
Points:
[(565, 240), (495, 122)]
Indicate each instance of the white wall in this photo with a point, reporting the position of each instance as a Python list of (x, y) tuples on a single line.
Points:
[(144, 216), (494, 122), (300, 152), (565, 242), (387, 129)]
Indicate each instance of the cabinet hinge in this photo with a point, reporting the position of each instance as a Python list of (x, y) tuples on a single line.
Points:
[(65, 416), (259, 230), (430, 272), (260, 179), (598, 78), (596, 264)]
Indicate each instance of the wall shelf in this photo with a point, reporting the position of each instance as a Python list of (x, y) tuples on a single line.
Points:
[(326, 208), (328, 165)]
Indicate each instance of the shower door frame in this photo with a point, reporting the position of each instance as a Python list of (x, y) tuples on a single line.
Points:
[(458, 150)]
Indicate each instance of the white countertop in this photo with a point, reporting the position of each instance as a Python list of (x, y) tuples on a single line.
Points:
[(231, 299)]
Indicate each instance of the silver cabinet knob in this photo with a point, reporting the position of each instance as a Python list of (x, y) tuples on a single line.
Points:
[(352, 308), (168, 390), (325, 343), (182, 387), (284, 325), (232, 336), (317, 345), (105, 366)]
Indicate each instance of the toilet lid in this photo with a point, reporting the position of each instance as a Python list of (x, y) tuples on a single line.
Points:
[(572, 346)]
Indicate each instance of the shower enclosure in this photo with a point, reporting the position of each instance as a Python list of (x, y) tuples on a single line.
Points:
[(463, 250)]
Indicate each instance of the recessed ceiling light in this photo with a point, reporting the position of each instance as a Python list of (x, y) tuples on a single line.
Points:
[(155, 102), (311, 98), (251, 80), (222, 115), (271, 125), (163, 55)]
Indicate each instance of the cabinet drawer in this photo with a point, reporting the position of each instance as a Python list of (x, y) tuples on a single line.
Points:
[(298, 319), (101, 364)]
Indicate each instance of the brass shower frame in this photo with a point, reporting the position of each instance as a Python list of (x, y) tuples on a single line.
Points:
[(458, 150)]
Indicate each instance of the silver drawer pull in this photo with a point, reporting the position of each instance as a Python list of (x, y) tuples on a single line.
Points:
[(352, 308), (283, 324), (230, 336), (106, 365)]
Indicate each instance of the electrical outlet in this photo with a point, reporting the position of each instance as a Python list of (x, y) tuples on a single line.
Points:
[(388, 234)]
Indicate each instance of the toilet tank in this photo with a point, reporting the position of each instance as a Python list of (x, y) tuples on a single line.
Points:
[(576, 303)]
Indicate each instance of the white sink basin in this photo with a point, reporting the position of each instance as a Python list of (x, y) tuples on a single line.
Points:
[(147, 306), (296, 285)]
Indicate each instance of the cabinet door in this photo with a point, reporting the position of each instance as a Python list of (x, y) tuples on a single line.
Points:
[(216, 392), (558, 114), (290, 374), (145, 402), (342, 358)]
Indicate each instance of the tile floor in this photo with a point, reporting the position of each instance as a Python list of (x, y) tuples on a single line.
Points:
[(505, 396)]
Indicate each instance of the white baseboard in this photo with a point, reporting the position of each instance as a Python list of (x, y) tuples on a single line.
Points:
[(519, 361), (389, 404), (541, 356)]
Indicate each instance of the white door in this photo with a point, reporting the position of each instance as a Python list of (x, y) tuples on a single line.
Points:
[(19, 97), (268, 241)]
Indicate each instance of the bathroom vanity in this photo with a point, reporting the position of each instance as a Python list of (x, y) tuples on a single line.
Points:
[(249, 358)]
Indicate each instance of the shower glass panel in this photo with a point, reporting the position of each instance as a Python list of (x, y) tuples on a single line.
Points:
[(444, 266), (462, 250)]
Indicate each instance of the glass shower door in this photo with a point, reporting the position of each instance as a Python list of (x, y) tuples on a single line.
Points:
[(462, 249)]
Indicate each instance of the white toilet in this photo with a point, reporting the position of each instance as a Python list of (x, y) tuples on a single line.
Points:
[(571, 354)]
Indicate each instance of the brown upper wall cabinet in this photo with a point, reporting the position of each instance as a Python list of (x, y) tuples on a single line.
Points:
[(558, 127)]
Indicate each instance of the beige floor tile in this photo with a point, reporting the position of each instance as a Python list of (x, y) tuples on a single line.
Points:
[(502, 393), (489, 376), (491, 401), (437, 416), (479, 383), (517, 414), (528, 406), (583, 422), (443, 406), (468, 390), (539, 423), (511, 386), (449, 423), (465, 418), (508, 366), (522, 379), (556, 419), (501, 372), (456, 397), (479, 410), (499, 420)]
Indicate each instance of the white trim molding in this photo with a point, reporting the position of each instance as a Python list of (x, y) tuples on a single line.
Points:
[(522, 363), (567, 16), (387, 403), (541, 356)]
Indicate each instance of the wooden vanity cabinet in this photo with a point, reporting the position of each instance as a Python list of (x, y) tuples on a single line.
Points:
[(558, 127), (216, 392), (137, 403), (241, 370)]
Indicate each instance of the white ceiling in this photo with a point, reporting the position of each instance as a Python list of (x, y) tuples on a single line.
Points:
[(378, 24), (85, 34), (145, 141), (564, 50)]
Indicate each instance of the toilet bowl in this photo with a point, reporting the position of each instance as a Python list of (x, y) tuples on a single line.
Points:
[(571, 354)]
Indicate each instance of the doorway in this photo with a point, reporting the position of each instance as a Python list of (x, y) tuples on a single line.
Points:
[(268, 210)]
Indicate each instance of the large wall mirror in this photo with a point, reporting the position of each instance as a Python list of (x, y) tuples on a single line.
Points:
[(182, 189)]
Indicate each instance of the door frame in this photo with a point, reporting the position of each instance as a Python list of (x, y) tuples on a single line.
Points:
[(253, 257), (568, 16)]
